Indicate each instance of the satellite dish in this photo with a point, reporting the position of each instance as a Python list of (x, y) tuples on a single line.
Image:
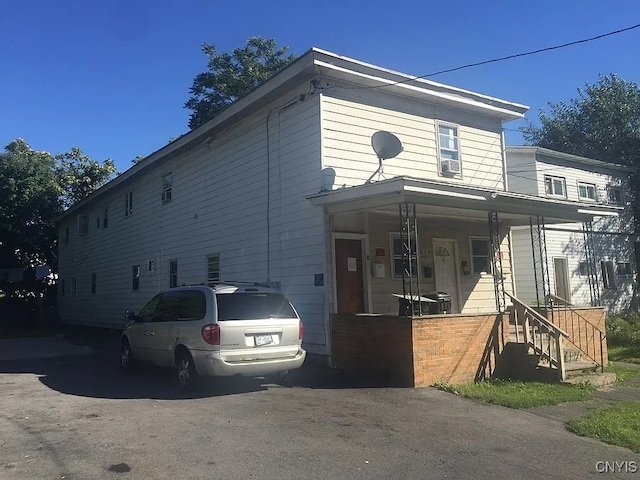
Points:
[(386, 145)]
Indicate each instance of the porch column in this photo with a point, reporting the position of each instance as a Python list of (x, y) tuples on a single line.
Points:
[(410, 274), (540, 265), (496, 261), (590, 258)]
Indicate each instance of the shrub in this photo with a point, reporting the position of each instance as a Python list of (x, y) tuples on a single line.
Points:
[(624, 330)]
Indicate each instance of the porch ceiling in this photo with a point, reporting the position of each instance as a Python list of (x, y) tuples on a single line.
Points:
[(444, 199)]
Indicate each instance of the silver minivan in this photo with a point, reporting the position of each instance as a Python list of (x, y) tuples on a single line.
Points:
[(215, 331)]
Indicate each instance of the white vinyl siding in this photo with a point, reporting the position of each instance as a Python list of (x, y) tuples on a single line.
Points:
[(222, 208), (350, 118)]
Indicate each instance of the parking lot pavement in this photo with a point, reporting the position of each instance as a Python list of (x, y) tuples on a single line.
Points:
[(79, 417)]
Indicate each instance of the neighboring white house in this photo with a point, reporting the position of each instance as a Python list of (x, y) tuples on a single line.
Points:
[(274, 189), (610, 263)]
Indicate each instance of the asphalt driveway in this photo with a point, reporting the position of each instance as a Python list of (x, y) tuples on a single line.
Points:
[(76, 416)]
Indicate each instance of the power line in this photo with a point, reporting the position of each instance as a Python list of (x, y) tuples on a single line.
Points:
[(500, 59)]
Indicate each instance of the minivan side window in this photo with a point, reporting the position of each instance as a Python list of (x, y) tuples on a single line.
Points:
[(149, 309), (184, 305)]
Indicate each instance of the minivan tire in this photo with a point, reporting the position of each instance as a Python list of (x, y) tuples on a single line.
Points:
[(188, 377), (127, 361)]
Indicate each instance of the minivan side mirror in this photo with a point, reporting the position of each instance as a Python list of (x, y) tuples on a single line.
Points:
[(131, 315)]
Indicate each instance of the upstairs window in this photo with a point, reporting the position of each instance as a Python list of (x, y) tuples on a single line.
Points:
[(587, 191), (94, 281), (555, 186), (614, 195), (83, 224), (480, 257), (624, 268), (167, 185), (128, 204), (105, 217), (213, 268), (448, 150), (583, 268)]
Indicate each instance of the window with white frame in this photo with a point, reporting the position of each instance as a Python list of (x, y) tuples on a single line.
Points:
[(397, 248), (614, 195), (167, 185), (480, 255), (173, 273), (555, 186), (624, 268), (83, 224), (587, 191), (213, 268), (94, 281), (449, 150), (135, 278), (128, 204), (608, 274)]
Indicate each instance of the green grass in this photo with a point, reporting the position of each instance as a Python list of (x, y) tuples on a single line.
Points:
[(625, 353), (617, 425), (623, 373), (521, 394)]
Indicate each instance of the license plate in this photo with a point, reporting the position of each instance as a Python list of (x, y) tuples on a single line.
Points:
[(263, 340)]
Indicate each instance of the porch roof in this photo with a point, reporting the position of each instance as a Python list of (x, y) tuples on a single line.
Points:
[(434, 198)]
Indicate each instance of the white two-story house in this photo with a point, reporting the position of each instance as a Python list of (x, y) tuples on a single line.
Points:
[(284, 187), (584, 264)]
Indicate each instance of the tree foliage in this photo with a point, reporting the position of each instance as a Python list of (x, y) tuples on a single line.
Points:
[(36, 187), (231, 76), (602, 122)]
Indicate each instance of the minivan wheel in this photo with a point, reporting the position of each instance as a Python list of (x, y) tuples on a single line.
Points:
[(187, 374), (126, 357)]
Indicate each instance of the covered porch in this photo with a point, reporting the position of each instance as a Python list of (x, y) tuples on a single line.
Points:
[(397, 246)]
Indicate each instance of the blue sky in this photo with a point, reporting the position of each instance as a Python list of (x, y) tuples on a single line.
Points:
[(112, 77)]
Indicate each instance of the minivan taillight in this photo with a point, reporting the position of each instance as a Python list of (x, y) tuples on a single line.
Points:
[(300, 330), (211, 333)]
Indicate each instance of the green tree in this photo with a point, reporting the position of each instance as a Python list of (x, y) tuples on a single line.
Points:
[(231, 76), (602, 122), (30, 198), (79, 175)]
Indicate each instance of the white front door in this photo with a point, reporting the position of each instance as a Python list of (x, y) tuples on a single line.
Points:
[(445, 272)]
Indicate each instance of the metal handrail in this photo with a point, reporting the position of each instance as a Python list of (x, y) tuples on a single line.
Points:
[(538, 316)]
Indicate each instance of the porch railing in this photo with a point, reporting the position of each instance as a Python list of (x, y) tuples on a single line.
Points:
[(585, 336), (542, 337)]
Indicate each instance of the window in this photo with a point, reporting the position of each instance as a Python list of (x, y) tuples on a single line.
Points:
[(128, 204), (62, 285), (624, 268), (480, 249), (135, 278), (448, 149), (151, 266), (183, 306), (608, 274), (83, 224), (249, 306), (583, 269), (65, 240), (213, 267), (94, 279), (173, 273), (105, 217), (614, 195), (555, 186), (73, 286), (587, 191), (167, 184), (98, 223), (397, 248)]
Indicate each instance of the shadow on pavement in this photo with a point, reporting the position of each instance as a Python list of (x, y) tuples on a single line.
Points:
[(98, 375)]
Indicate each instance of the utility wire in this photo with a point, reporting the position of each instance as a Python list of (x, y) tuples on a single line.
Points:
[(500, 59)]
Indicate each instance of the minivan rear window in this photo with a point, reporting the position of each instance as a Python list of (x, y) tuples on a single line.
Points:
[(252, 306)]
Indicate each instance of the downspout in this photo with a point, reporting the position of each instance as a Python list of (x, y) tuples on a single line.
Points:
[(503, 150)]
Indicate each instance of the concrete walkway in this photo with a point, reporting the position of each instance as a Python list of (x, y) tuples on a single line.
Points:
[(627, 391)]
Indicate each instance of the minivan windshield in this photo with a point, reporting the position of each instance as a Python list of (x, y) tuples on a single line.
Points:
[(252, 306)]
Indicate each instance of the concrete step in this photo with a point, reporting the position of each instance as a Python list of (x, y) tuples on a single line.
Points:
[(579, 367)]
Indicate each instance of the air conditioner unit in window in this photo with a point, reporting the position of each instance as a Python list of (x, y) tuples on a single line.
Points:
[(450, 166)]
